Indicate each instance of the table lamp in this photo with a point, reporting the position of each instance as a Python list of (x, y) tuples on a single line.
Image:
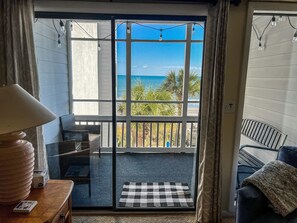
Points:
[(18, 111)]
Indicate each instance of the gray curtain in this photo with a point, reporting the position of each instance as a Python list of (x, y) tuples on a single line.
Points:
[(209, 173), (17, 59)]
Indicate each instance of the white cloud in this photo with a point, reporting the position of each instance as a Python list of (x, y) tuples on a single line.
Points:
[(195, 68), (172, 67), (145, 66)]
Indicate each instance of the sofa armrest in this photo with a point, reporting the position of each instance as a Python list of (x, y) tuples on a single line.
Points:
[(76, 135), (251, 203)]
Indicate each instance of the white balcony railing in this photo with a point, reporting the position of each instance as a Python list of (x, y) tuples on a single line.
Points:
[(147, 133)]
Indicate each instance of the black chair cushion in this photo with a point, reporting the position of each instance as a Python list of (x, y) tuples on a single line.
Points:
[(288, 154)]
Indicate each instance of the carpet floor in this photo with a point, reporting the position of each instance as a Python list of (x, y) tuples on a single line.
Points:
[(180, 218), (136, 219), (131, 168)]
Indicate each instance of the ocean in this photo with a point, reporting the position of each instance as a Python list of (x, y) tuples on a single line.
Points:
[(153, 82)]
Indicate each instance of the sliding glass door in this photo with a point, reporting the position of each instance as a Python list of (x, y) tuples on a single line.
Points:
[(138, 81), (91, 75), (158, 90)]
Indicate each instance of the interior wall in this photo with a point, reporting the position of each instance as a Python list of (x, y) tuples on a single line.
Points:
[(271, 87), (53, 74), (235, 47)]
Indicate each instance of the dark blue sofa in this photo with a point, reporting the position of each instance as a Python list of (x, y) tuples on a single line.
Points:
[(252, 205)]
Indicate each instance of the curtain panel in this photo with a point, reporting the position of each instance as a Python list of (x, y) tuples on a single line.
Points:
[(209, 173), (17, 59)]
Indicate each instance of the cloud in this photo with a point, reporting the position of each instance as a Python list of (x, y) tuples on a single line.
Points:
[(195, 68), (172, 67), (144, 66), (181, 67)]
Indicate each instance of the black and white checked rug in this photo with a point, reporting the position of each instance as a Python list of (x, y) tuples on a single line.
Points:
[(156, 194)]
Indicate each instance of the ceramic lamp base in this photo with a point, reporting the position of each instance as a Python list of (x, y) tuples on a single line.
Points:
[(16, 168)]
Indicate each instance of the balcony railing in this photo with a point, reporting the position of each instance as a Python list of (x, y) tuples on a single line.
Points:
[(146, 133)]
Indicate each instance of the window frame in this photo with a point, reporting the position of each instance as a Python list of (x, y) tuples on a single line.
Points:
[(184, 118), (128, 41)]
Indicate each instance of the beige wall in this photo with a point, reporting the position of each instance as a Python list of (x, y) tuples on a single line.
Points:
[(235, 45)]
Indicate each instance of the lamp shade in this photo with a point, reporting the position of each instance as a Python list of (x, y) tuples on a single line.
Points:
[(19, 110)]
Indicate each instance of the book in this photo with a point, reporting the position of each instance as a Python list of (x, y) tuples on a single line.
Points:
[(25, 206)]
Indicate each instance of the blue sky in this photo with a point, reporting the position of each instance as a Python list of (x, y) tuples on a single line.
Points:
[(158, 58)]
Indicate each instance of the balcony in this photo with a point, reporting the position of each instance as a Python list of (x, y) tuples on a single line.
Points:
[(164, 152)]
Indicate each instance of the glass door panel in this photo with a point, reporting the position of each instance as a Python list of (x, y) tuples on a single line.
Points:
[(91, 81), (156, 169), (75, 75)]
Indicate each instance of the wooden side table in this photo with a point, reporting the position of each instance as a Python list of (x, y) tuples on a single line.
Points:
[(54, 205)]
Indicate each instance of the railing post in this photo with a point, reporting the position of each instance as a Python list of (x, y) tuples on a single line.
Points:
[(158, 134), (171, 132), (143, 134), (136, 139), (151, 131), (164, 134), (123, 129)]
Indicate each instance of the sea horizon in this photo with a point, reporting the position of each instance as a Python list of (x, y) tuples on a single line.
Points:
[(149, 81), (142, 75)]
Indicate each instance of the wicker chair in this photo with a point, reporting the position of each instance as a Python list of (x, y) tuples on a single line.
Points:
[(88, 135)]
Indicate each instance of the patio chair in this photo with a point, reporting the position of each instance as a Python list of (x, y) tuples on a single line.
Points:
[(88, 135), (68, 161), (267, 138)]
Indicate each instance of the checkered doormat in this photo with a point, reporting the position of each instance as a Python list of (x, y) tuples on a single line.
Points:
[(156, 194)]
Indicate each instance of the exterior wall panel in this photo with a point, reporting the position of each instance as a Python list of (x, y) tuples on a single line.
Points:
[(53, 75), (271, 87)]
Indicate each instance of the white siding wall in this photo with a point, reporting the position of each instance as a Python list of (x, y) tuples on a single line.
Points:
[(271, 87), (105, 68), (53, 75), (105, 86)]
